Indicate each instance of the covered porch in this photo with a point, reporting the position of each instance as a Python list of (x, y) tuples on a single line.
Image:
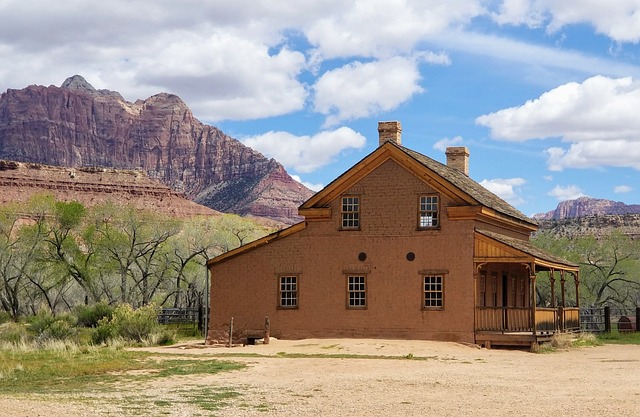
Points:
[(506, 276)]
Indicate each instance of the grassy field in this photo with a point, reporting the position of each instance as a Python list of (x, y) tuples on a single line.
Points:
[(65, 372)]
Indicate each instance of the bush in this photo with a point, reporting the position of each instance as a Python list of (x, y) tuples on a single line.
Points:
[(136, 326), (46, 327), (13, 333), (89, 316), (4, 317)]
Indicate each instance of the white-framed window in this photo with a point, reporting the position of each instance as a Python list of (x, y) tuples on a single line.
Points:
[(428, 212), (433, 293), (356, 291), (350, 212), (288, 291)]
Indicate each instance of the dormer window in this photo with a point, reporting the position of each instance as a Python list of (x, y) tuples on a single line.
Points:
[(350, 212), (428, 212)]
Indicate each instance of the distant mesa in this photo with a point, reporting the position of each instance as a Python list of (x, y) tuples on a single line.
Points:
[(586, 206)]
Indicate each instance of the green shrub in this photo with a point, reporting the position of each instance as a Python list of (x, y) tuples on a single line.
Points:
[(136, 326), (103, 332), (166, 337), (46, 326), (89, 316), (13, 333)]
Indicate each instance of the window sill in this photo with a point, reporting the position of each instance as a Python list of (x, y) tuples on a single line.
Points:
[(287, 307)]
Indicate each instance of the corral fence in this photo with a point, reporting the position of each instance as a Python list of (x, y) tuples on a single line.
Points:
[(606, 319), (183, 318)]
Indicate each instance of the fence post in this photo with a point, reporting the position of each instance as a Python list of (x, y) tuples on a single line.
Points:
[(267, 330), (607, 319), (637, 319)]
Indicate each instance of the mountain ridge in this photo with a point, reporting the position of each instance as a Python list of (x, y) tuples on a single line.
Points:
[(587, 206), (76, 125)]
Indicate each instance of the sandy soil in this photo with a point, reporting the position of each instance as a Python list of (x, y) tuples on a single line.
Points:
[(448, 380)]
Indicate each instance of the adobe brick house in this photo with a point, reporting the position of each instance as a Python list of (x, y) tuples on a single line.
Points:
[(399, 246)]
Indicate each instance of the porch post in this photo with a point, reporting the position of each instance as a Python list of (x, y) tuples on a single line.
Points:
[(562, 280), (576, 279), (552, 281), (532, 278)]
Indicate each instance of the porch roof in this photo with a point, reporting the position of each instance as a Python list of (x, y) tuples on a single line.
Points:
[(518, 250)]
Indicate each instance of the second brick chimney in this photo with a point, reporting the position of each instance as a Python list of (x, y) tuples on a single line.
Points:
[(458, 158), (389, 132)]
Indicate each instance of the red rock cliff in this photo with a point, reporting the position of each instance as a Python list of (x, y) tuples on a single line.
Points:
[(76, 125)]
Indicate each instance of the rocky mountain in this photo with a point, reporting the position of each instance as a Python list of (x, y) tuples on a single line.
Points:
[(585, 206), (75, 125)]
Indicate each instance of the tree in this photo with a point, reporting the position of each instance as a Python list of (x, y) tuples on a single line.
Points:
[(609, 265), (71, 247), (610, 268)]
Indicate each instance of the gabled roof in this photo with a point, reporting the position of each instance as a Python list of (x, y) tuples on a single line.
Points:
[(536, 255), (457, 185)]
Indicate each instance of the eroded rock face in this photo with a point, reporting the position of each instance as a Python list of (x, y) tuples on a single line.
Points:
[(76, 125)]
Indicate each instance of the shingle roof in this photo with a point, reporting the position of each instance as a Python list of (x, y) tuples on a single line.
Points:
[(527, 247), (469, 186)]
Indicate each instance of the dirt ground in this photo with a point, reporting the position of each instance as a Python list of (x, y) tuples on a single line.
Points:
[(443, 379)]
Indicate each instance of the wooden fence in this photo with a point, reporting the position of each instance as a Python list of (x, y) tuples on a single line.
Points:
[(606, 319)]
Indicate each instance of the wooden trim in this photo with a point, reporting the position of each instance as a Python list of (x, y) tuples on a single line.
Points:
[(315, 213)]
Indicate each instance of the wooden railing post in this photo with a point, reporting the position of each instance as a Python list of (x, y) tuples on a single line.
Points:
[(560, 312), (607, 319)]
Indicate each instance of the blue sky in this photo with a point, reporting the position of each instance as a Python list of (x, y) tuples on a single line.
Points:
[(544, 93)]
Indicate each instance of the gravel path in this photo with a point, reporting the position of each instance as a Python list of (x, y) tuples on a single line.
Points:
[(443, 379)]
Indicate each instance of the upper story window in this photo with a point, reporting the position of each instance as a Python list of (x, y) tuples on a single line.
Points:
[(428, 212), (350, 212), (288, 292)]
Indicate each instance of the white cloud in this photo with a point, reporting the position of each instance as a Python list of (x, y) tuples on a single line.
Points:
[(383, 28), (616, 153), (306, 153), (619, 20), (570, 192), (597, 116), (363, 89), (442, 144), (519, 12), (621, 189), (506, 188), (309, 185)]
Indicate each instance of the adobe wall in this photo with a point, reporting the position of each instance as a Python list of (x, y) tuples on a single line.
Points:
[(246, 287)]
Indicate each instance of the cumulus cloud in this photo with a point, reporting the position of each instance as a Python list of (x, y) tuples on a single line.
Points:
[(306, 153), (621, 189), (506, 188), (569, 192), (382, 28), (597, 116), (618, 19), (362, 89)]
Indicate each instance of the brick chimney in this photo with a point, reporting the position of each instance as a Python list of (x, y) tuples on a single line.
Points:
[(458, 158), (389, 132)]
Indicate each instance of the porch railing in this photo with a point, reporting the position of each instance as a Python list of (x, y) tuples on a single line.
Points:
[(518, 319), (510, 319)]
